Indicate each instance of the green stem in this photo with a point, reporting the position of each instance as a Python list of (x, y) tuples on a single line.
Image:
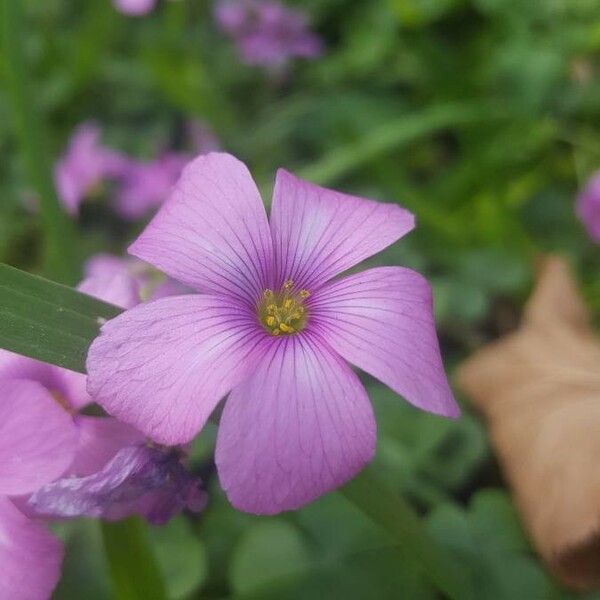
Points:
[(398, 519), (133, 568), (60, 258)]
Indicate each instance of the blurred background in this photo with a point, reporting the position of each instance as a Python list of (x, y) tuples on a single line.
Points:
[(480, 116)]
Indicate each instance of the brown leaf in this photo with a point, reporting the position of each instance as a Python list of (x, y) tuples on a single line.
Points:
[(539, 390)]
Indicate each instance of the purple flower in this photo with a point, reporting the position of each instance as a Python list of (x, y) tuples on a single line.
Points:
[(151, 283), (272, 327), (84, 165), (266, 33), (135, 8), (145, 185), (588, 207), (139, 479)]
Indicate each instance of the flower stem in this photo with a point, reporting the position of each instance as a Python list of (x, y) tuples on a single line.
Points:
[(59, 232), (398, 519)]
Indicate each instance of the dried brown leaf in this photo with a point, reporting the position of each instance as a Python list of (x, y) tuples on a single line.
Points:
[(539, 390)]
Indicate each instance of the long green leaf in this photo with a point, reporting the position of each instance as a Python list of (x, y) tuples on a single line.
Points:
[(398, 519), (134, 571), (48, 321), (60, 256)]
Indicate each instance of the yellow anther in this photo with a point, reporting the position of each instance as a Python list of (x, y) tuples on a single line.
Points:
[(282, 312)]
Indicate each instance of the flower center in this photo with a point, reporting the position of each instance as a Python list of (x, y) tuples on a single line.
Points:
[(283, 312)]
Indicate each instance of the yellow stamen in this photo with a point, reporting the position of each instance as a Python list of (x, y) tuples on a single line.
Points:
[(283, 312)]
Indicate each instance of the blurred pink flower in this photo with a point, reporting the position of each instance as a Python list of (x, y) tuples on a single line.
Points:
[(135, 8), (145, 185), (152, 284), (84, 165), (588, 207), (267, 33), (271, 328)]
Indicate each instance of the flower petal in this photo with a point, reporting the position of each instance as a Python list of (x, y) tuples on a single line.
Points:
[(318, 233), (381, 320), (119, 289), (212, 233), (163, 366), (69, 385), (100, 438), (301, 426), (30, 557), (138, 480), (37, 437)]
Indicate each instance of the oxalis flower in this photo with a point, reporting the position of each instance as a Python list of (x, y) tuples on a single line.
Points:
[(271, 327), (85, 164)]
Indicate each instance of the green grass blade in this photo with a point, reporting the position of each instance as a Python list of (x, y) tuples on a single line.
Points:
[(48, 321), (133, 568)]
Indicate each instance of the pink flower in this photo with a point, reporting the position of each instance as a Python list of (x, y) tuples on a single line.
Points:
[(266, 33), (271, 327), (588, 207), (145, 185), (57, 462), (134, 8), (152, 284), (85, 164)]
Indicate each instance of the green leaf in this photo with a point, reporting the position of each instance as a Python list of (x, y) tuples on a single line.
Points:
[(269, 550), (134, 571), (489, 542), (366, 573), (424, 455), (48, 321), (181, 556), (411, 539)]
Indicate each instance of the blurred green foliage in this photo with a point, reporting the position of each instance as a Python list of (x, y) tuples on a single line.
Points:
[(481, 116)]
